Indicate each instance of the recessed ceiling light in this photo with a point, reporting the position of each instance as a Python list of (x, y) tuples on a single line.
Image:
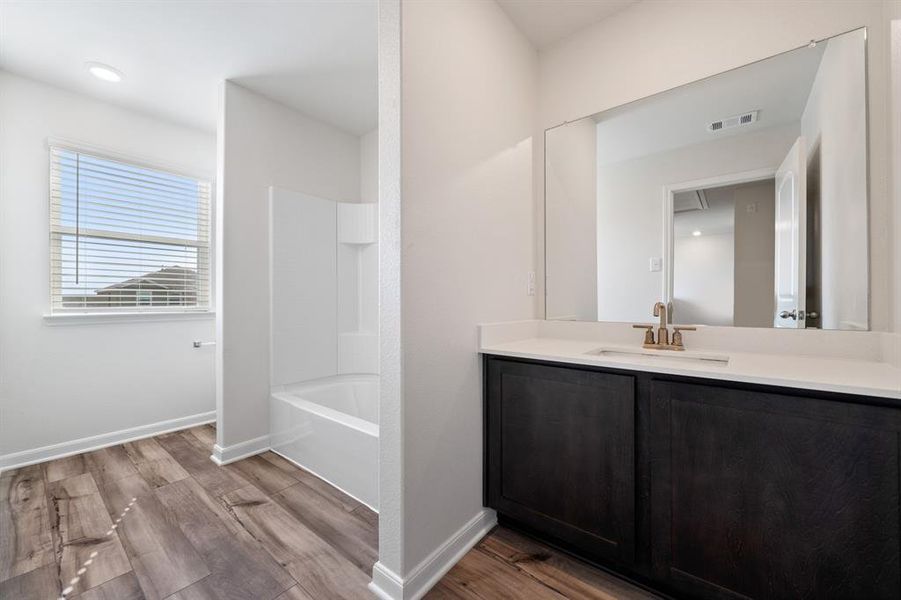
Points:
[(104, 72), (696, 233)]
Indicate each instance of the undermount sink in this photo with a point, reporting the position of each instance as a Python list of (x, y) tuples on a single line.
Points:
[(654, 355)]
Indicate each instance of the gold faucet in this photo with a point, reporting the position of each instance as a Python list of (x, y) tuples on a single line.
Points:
[(663, 340), (662, 331)]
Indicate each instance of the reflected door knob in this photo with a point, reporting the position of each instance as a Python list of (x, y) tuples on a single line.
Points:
[(789, 315)]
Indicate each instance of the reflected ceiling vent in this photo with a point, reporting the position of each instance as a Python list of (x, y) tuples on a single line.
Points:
[(734, 121), (692, 200)]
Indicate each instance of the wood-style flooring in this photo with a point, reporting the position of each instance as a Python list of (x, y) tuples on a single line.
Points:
[(506, 564), (155, 519)]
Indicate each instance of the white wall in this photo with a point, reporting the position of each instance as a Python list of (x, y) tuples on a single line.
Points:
[(304, 284), (469, 88), (391, 401), (654, 46), (839, 90), (261, 144), (369, 166), (63, 383), (630, 209), (703, 279), (571, 230)]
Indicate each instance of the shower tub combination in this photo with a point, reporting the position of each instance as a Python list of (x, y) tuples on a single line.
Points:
[(330, 427), (324, 395)]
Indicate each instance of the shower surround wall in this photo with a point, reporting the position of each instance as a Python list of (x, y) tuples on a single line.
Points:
[(323, 277), (323, 410)]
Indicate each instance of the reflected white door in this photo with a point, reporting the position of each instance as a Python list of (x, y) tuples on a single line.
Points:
[(791, 243)]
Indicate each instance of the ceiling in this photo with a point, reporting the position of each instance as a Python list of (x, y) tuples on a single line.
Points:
[(317, 56), (719, 216), (545, 22), (778, 87), (717, 219)]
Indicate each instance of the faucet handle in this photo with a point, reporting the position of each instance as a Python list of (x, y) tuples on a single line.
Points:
[(648, 334), (677, 334)]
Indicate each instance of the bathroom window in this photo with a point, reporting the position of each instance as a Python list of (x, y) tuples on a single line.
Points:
[(126, 237)]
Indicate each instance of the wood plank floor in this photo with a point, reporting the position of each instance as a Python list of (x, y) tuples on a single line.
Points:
[(506, 564), (156, 519)]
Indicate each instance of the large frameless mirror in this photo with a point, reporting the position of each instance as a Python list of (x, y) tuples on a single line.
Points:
[(739, 200)]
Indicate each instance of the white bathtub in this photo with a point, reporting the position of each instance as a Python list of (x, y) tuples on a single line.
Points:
[(330, 428)]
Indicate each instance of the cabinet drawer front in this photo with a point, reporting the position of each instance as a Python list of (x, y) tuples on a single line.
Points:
[(561, 453), (758, 495)]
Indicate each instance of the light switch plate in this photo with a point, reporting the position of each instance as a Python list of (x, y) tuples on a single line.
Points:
[(530, 287), (655, 264)]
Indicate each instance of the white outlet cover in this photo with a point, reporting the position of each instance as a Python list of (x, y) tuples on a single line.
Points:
[(655, 264)]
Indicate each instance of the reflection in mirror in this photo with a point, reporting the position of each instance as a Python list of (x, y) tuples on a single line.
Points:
[(723, 254), (740, 200)]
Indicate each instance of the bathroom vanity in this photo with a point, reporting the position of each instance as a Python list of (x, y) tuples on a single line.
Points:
[(699, 477), (745, 459)]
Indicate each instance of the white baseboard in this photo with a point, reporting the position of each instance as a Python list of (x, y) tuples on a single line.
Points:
[(387, 585), (88, 444), (229, 454)]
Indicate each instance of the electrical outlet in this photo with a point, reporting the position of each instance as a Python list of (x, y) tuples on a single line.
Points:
[(530, 287), (655, 264)]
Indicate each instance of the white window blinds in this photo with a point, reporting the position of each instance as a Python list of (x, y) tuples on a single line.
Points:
[(126, 238)]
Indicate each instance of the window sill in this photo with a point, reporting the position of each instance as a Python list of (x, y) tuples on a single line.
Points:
[(124, 317)]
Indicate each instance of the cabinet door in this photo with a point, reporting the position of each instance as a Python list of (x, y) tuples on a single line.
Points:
[(757, 495), (561, 453)]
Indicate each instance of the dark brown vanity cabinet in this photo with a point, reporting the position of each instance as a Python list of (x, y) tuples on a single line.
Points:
[(763, 495), (700, 488), (561, 446)]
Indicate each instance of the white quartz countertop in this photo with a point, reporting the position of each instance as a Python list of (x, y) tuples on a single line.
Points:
[(823, 373)]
